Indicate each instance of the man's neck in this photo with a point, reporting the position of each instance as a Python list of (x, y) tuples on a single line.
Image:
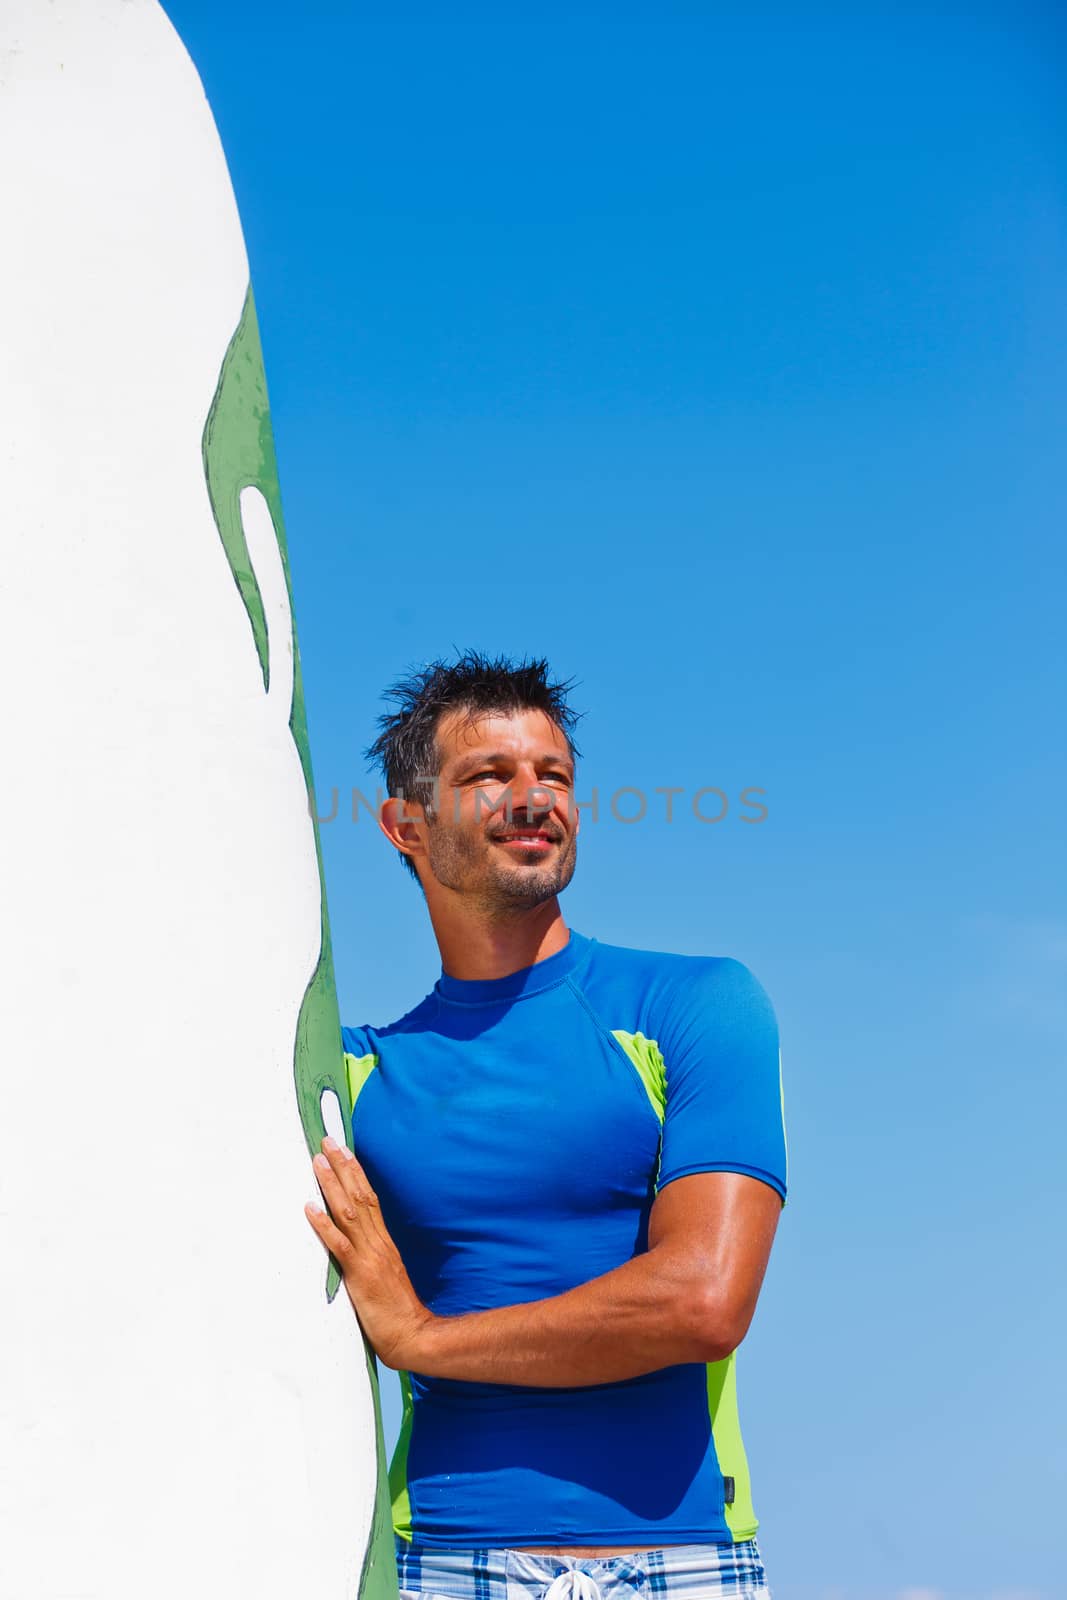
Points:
[(480, 948)]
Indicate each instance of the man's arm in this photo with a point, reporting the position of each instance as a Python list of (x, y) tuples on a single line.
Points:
[(689, 1298)]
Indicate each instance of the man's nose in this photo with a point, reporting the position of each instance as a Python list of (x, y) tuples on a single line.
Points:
[(530, 797)]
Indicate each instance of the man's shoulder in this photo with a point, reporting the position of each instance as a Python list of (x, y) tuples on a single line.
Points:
[(366, 1039), (669, 969), (656, 991)]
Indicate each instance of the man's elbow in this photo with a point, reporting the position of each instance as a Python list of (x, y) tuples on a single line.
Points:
[(718, 1326)]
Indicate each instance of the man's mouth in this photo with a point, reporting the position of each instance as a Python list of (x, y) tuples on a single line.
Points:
[(527, 839)]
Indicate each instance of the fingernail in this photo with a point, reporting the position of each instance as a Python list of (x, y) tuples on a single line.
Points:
[(322, 1163), (331, 1144)]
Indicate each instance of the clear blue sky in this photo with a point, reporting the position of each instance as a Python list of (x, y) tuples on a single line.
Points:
[(719, 355)]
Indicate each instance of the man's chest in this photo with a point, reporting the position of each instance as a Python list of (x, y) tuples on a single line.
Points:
[(521, 1137)]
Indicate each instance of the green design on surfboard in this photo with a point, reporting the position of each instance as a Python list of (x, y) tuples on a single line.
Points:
[(238, 450)]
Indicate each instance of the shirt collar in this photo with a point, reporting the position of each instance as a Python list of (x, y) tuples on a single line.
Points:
[(515, 985)]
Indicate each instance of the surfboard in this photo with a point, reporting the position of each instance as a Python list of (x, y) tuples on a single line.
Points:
[(186, 1402)]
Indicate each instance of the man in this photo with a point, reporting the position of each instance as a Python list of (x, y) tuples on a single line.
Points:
[(571, 1163)]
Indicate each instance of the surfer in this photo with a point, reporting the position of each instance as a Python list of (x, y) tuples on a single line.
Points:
[(569, 1166)]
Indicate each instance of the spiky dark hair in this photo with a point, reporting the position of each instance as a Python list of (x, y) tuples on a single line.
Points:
[(405, 750)]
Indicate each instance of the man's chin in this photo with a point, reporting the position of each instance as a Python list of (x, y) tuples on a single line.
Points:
[(533, 882)]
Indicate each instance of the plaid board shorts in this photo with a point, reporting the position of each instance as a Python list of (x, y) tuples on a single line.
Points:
[(680, 1572)]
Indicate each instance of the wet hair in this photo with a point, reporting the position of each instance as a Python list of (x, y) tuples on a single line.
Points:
[(406, 750)]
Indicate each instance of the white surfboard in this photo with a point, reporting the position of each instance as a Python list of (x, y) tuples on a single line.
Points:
[(183, 1408)]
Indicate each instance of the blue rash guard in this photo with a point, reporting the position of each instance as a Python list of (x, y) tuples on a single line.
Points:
[(516, 1131)]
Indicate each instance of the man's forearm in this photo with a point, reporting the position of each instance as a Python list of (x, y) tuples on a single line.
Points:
[(646, 1314)]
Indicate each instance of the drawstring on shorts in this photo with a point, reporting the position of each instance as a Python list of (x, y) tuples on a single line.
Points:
[(573, 1585)]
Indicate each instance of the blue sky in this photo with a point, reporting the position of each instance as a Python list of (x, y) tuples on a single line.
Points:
[(718, 355)]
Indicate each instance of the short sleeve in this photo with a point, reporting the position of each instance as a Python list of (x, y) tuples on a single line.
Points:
[(360, 1060), (354, 1041), (722, 1067)]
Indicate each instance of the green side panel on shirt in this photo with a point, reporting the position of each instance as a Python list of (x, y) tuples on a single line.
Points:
[(645, 1055), (398, 1467), (357, 1070), (721, 1375), (741, 1518)]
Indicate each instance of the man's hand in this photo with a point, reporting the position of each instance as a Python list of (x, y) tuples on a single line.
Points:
[(389, 1311)]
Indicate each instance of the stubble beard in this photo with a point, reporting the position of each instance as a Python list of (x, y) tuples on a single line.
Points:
[(469, 866)]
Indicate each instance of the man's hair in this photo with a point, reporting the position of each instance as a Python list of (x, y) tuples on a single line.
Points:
[(406, 751)]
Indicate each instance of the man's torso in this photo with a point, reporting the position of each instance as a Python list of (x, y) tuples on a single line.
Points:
[(515, 1131)]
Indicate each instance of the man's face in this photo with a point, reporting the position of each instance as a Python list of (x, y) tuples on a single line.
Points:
[(505, 826)]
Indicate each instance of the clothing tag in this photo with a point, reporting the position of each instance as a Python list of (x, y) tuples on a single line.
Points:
[(728, 1491)]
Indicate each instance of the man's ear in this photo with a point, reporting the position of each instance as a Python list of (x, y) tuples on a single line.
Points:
[(404, 824)]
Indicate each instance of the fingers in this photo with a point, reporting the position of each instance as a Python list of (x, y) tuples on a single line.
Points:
[(332, 1237), (348, 1169), (353, 1205), (344, 1183)]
